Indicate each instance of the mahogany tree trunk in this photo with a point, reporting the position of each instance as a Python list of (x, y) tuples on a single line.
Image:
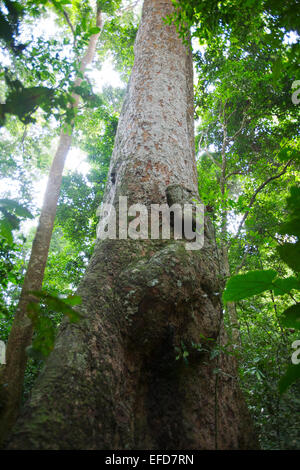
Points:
[(113, 381)]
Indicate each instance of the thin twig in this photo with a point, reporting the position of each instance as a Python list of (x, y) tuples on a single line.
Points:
[(252, 200), (211, 157), (67, 18)]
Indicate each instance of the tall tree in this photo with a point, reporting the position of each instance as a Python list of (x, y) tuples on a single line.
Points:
[(112, 381), (12, 375)]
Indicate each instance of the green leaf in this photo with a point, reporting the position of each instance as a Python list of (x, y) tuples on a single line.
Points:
[(246, 285), (73, 300), (293, 201), (45, 331), (94, 30), (60, 305), (291, 317), (292, 225), (284, 286), (18, 209), (292, 374), (290, 254), (276, 70), (287, 153), (9, 208), (23, 102), (6, 230)]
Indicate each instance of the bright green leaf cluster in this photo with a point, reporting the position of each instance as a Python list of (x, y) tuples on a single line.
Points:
[(43, 341)]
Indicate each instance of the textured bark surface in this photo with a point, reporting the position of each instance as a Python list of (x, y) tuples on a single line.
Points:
[(154, 145), (113, 381)]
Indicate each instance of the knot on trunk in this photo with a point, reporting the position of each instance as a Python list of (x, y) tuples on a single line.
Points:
[(167, 292)]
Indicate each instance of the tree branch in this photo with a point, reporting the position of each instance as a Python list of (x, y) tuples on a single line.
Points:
[(211, 157), (70, 24), (239, 130), (234, 173), (252, 200)]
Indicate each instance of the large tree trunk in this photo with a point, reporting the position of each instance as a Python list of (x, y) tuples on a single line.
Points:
[(113, 381)]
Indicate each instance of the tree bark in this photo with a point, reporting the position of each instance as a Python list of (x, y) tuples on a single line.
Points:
[(12, 375), (113, 381)]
